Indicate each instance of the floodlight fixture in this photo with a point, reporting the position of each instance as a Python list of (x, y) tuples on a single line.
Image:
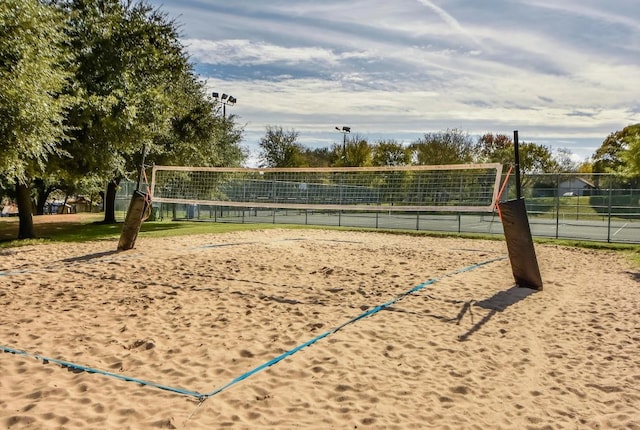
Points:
[(225, 100), (344, 130)]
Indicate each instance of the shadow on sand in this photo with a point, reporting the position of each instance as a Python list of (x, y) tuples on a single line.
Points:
[(496, 303), (90, 257)]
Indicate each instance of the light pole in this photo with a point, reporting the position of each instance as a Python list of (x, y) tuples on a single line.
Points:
[(344, 130), (225, 99)]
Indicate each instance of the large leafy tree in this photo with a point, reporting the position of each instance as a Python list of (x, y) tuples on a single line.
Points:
[(631, 155), (280, 148), (452, 146), (619, 152), (499, 148), (32, 77), (197, 136), (129, 68), (609, 157), (354, 151)]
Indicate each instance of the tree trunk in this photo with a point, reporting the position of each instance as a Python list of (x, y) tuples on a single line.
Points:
[(41, 196), (40, 202), (110, 202), (25, 212)]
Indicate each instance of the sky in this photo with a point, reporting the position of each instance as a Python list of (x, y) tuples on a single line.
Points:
[(563, 73)]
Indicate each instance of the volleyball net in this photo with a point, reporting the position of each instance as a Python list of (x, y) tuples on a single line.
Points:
[(441, 188)]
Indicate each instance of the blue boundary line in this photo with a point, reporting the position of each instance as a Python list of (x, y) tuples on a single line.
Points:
[(204, 396), (365, 314), (87, 369)]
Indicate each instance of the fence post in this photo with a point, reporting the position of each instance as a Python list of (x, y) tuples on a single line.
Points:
[(609, 213), (557, 205)]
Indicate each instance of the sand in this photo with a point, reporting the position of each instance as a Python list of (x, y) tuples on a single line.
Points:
[(200, 313)]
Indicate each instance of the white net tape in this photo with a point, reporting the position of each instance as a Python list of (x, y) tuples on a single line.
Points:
[(451, 188)]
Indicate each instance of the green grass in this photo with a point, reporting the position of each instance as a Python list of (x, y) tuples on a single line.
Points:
[(584, 207), (89, 228)]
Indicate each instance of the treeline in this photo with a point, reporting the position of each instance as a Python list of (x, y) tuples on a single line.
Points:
[(619, 153), (280, 148), (85, 85)]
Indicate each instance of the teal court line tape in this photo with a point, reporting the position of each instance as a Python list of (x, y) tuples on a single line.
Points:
[(204, 396), (365, 314), (12, 272), (87, 369)]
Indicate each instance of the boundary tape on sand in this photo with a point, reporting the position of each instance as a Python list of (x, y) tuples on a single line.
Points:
[(204, 396)]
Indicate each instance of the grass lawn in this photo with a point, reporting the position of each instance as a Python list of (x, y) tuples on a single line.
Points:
[(86, 227)]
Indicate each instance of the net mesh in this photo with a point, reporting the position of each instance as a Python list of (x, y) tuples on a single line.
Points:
[(409, 188)]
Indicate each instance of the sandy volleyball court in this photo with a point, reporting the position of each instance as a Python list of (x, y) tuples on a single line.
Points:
[(219, 322)]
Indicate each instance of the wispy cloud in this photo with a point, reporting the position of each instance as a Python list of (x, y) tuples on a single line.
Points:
[(449, 19), (247, 52), (566, 71)]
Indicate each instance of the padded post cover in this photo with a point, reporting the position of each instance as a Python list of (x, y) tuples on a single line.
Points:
[(132, 221), (522, 254)]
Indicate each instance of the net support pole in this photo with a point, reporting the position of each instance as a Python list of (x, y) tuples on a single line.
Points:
[(516, 150), (135, 212), (517, 232), (133, 221)]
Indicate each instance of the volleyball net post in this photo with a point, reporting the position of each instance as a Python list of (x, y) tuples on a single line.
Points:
[(517, 232), (139, 207)]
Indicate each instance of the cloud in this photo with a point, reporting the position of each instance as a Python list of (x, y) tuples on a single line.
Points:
[(624, 16), (244, 52), (558, 71), (449, 19)]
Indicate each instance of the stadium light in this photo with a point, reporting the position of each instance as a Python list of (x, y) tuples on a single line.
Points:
[(344, 130), (225, 99)]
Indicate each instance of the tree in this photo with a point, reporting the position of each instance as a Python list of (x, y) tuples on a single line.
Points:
[(354, 151), (129, 64), (564, 159), (495, 149), (390, 153), (585, 167), (32, 77), (445, 147), (609, 157), (318, 157), (279, 148), (631, 155), (197, 136), (499, 148)]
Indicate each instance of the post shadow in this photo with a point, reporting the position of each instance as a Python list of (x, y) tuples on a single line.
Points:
[(499, 302)]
